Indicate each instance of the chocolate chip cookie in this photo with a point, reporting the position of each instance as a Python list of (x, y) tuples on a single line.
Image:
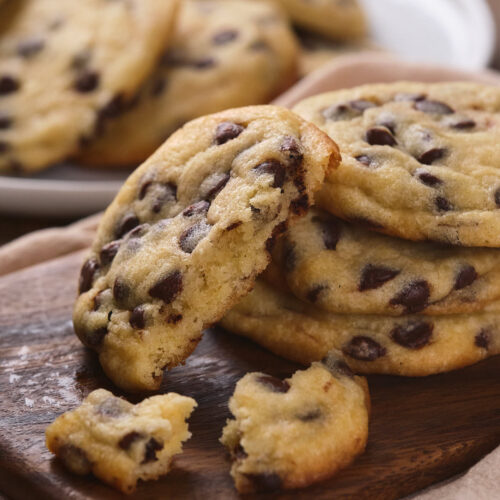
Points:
[(189, 231), (66, 67), (412, 345), (343, 268), (290, 433), (119, 442), (337, 19), (420, 161), (224, 55)]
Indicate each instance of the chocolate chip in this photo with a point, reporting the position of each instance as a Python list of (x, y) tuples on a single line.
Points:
[(144, 188), (273, 383), (174, 318), (121, 291), (289, 256), (364, 159), (330, 231), (115, 106), (364, 349), (5, 121), (497, 197), (434, 107), (464, 124), (432, 155), (213, 185), (310, 415), (137, 318), (138, 231), (275, 168), (204, 63), (380, 136), (482, 339), (126, 441), (8, 84), (375, 276), (4, 147), (239, 452), (427, 178), (443, 204), (313, 294), (413, 297), (158, 86), (109, 251), (227, 131), (265, 482), (152, 446), (190, 238), (337, 366), (89, 268), (165, 193), (75, 459), (95, 337), (128, 222), (300, 205), (87, 81), (465, 277), (361, 104), (200, 207), (167, 288), (223, 37), (30, 47), (291, 147), (413, 335)]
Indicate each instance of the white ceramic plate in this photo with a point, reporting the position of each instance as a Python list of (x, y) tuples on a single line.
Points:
[(457, 33)]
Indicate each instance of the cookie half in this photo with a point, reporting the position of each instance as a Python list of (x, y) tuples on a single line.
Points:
[(291, 433), (224, 54), (119, 442), (66, 67), (419, 161), (412, 345), (189, 231), (341, 267)]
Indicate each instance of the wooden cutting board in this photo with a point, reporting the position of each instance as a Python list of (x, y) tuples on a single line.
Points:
[(422, 430)]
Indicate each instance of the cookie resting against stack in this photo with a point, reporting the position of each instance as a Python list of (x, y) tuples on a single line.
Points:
[(188, 233), (419, 161), (224, 54), (67, 67)]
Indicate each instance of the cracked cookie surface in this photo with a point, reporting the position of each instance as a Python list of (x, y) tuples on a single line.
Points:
[(413, 345), (341, 267), (119, 442), (189, 231), (66, 67), (290, 433), (419, 161), (223, 55)]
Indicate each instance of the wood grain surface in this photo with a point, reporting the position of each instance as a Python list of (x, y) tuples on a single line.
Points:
[(422, 430)]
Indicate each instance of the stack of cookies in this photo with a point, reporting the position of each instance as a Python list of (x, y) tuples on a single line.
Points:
[(105, 83), (398, 266)]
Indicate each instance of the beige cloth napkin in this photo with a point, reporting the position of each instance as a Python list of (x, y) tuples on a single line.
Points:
[(483, 480)]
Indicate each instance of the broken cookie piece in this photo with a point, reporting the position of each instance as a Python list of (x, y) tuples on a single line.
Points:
[(290, 433), (119, 442)]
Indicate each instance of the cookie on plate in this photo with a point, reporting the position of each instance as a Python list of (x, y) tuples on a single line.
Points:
[(419, 161), (189, 231), (119, 442), (337, 19), (65, 67), (343, 268), (291, 433), (412, 345), (224, 54)]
